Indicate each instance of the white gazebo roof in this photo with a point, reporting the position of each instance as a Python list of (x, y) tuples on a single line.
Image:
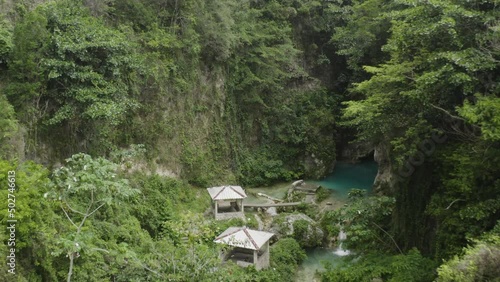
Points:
[(244, 238), (227, 193)]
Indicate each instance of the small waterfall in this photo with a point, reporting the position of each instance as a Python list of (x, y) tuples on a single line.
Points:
[(339, 251), (342, 235)]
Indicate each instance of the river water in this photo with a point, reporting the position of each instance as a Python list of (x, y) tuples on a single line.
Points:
[(345, 177)]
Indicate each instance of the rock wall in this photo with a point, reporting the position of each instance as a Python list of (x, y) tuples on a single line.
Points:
[(355, 151)]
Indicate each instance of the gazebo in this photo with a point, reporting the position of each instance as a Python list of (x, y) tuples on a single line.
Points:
[(250, 247), (227, 201)]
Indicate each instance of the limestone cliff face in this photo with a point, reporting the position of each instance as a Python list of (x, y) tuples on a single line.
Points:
[(385, 180), (355, 151), (204, 107), (317, 168)]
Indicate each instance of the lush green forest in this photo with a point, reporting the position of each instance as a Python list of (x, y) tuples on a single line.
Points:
[(116, 114)]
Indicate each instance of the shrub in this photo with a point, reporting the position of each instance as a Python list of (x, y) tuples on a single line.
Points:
[(322, 194), (287, 251)]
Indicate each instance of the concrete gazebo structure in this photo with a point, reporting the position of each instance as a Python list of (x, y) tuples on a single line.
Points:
[(250, 247), (227, 201)]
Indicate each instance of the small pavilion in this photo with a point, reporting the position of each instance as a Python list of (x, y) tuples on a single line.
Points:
[(250, 247), (227, 201)]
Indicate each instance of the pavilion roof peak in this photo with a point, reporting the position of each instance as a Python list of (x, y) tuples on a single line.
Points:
[(244, 237), (228, 192)]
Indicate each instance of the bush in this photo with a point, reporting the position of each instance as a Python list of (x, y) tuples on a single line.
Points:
[(410, 267), (479, 262), (287, 251), (158, 200), (263, 169), (300, 229), (322, 194)]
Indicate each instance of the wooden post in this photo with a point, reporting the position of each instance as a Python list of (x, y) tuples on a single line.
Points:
[(265, 256), (216, 204), (256, 259)]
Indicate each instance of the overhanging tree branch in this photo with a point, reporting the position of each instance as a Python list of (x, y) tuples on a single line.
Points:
[(449, 206), (68, 217), (396, 244), (72, 209)]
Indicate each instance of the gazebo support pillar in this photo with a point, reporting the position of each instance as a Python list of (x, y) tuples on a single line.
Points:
[(216, 208)]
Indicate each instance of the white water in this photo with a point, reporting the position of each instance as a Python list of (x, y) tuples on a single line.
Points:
[(315, 257), (342, 235), (340, 251)]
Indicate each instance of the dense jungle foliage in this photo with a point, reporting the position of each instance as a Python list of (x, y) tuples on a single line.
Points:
[(115, 112)]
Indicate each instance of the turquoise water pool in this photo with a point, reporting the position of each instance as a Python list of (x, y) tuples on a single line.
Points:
[(314, 263), (347, 176)]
